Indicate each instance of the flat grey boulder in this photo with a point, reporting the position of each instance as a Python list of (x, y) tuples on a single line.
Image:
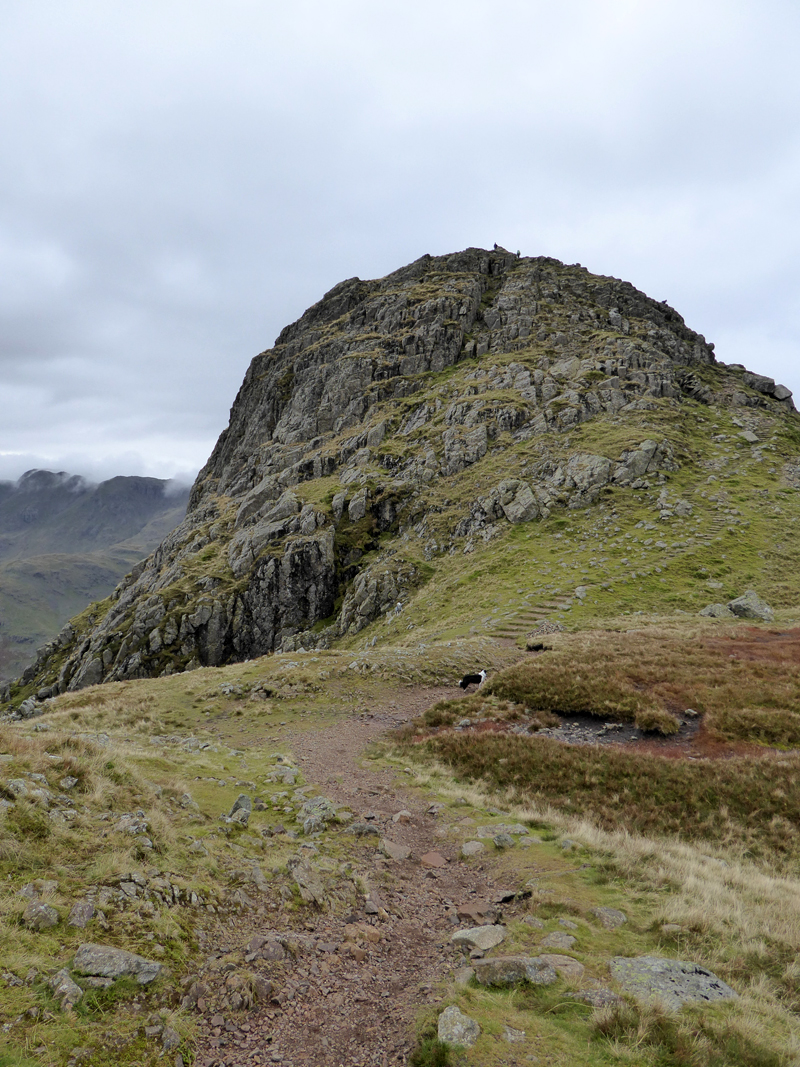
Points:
[(480, 937), (456, 1028), (511, 970), (106, 962), (674, 982), (751, 606)]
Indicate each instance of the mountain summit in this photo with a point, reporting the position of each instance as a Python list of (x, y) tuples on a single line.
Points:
[(404, 425)]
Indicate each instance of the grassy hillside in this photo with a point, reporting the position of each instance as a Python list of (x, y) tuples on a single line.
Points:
[(698, 850)]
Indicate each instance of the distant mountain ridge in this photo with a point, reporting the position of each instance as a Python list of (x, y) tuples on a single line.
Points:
[(46, 511), (65, 542)]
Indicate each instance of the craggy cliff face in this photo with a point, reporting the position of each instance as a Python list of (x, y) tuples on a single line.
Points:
[(383, 392)]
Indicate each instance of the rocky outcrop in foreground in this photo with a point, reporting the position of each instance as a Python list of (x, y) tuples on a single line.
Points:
[(375, 410)]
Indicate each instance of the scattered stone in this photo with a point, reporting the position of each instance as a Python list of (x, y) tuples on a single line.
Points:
[(364, 829), (513, 1036), (501, 828), (315, 814), (464, 975), (170, 1039), (565, 966), (65, 990), (40, 916), (472, 848), (456, 1028), (241, 810), (114, 963), (503, 841), (68, 783), (402, 816), (674, 982), (611, 918), (531, 920), (568, 923), (480, 937), (671, 928), (393, 850), (510, 970), (308, 879), (433, 859), (479, 914), (81, 914), (558, 940)]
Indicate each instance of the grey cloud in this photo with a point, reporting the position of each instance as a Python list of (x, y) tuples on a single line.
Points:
[(184, 180)]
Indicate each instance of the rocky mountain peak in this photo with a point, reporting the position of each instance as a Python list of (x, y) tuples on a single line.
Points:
[(443, 395)]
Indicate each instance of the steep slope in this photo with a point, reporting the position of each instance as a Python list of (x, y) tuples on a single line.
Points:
[(448, 423)]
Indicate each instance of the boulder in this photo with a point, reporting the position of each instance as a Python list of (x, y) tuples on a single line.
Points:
[(510, 970), (40, 916), (456, 1028), (751, 606), (673, 982), (315, 814), (480, 937), (717, 611), (106, 962), (65, 991), (564, 966), (611, 918)]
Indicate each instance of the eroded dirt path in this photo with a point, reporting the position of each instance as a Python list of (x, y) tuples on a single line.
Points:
[(347, 990)]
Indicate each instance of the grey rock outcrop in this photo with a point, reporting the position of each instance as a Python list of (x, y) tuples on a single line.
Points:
[(352, 392)]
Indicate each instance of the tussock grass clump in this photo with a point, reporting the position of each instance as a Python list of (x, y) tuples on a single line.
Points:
[(751, 803), (746, 682), (688, 1039), (478, 707)]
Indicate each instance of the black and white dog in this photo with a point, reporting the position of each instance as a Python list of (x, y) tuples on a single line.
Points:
[(473, 679)]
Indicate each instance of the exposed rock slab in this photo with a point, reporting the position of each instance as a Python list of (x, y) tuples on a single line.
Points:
[(674, 982), (106, 962)]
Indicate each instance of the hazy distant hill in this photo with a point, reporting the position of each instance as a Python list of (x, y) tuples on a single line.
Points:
[(65, 542)]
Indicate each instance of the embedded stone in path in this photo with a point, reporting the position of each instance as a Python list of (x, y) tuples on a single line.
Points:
[(558, 940), (675, 982), (611, 918), (480, 937), (472, 848), (433, 859), (456, 1028), (106, 962), (393, 850), (564, 966), (510, 970)]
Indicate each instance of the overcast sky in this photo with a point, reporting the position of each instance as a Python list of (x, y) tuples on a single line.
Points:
[(180, 180)]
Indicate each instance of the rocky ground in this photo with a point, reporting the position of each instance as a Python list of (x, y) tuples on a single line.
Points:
[(351, 991), (344, 990)]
